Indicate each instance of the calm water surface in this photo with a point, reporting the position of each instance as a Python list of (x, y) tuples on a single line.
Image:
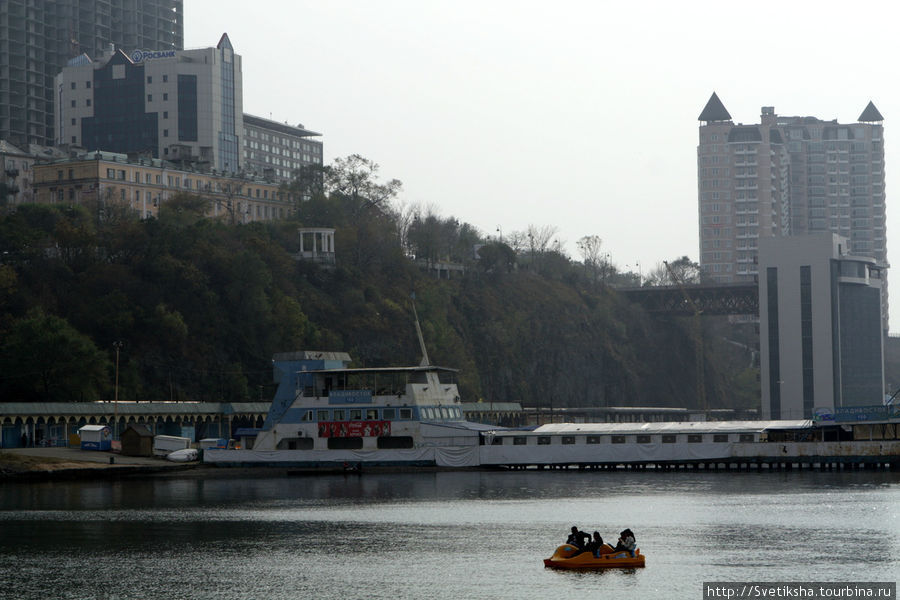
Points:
[(440, 535)]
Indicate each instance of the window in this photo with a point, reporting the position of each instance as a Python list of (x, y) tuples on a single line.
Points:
[(643, 439), (87, 102), (165, 133), (73, 85), (340, 415), (746, 437), (694, 438), (122, 174), (593, 439), (389, 414), (73, 121), (720, 437), (356, 414), (406, 413), (73, 104), (372, 414), (618, 439), (165, 78), (322, 415), (307, 416), (110, 173), (400, 441), (165, 114), (87, 84), (347, 443), (668, 439), (496, 441), (74, 140), (568, 439), (165, 97), (544, 440), (149, 97), (520, 440), (149, 79)]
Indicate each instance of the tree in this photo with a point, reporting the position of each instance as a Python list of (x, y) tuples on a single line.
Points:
[(595, 260), (687, 272), (44, 358), (355, 178)]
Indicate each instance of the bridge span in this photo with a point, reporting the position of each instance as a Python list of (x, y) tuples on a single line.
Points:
[(710, 299)]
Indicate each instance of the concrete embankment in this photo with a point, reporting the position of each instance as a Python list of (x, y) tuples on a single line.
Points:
[(37, 464)]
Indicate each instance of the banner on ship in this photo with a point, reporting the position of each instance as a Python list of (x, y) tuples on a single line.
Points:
[(354, 429)]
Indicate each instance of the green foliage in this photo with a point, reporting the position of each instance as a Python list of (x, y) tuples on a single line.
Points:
[(201, 306), (46, 359)]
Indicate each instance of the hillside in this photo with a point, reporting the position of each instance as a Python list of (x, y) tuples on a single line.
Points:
[(200, 306)]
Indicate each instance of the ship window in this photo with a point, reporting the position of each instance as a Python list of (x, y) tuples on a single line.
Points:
[(618, 439), (720, 437), (668, 439), (746, 437), (520, 440), (496, 441), (372, 414), (568, 439), (406, 413), (694, 438), (307, 416), (295, 444), (389, 414), (345, 443), (400, 441), (322, 415), (544, 440), (339, 414), (593, 439), (355, 414), (445, 414), (643, 439)]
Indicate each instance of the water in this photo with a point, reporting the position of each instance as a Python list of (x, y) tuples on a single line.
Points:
[(440, 535)]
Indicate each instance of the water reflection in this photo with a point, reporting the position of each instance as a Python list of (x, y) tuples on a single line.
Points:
[(440, 535)]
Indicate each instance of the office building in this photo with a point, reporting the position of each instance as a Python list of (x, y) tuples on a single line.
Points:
[(111, 181), (277, 150), (183, 106), (37, 38), (787, 176), (821, 343)]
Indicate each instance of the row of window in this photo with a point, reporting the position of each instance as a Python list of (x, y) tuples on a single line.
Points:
[(546, 440), (431, 413)]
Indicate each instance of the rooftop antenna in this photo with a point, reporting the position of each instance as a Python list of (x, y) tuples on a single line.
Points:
[(425, 361)]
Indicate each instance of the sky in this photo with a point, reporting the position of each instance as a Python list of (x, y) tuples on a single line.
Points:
[(581, 116)]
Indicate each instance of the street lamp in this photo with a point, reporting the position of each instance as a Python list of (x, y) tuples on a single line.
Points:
[(118, 346)]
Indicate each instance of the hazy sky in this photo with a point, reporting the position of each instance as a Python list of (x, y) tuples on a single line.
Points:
[(576, 115)]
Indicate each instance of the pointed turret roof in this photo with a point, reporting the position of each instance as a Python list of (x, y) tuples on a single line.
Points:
[(870, 114), (714, 110), (225, 42)]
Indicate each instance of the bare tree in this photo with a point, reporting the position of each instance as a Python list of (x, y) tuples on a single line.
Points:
[(355, 177)]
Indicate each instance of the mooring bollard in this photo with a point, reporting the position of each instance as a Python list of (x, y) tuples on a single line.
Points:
[(112, 460)]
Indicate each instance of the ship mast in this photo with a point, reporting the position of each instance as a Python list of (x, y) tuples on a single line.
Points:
[(425, 361)]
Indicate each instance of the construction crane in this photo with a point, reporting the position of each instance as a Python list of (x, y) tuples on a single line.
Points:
[(698, 337)]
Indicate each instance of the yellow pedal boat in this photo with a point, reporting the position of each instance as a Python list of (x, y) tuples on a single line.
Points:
[(570, 557)]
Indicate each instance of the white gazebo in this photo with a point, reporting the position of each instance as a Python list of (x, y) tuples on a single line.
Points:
[(316, 244)]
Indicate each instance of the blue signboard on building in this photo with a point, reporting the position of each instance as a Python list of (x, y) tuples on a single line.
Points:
[(855, 414)]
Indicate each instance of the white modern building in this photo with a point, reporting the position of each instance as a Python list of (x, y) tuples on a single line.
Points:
[(821, 344), (180, 105)]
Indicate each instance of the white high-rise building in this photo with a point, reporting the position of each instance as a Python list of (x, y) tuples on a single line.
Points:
[(787, 176)]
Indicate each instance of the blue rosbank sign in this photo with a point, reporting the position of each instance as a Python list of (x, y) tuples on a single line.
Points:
[(142, 55)]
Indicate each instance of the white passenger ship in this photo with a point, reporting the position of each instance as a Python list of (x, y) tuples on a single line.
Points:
[(326, 414)]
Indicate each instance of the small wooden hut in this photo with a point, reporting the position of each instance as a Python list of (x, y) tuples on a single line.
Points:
[(137, 440)]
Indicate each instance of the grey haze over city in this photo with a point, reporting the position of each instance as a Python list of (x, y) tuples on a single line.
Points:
[(577, 115)]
